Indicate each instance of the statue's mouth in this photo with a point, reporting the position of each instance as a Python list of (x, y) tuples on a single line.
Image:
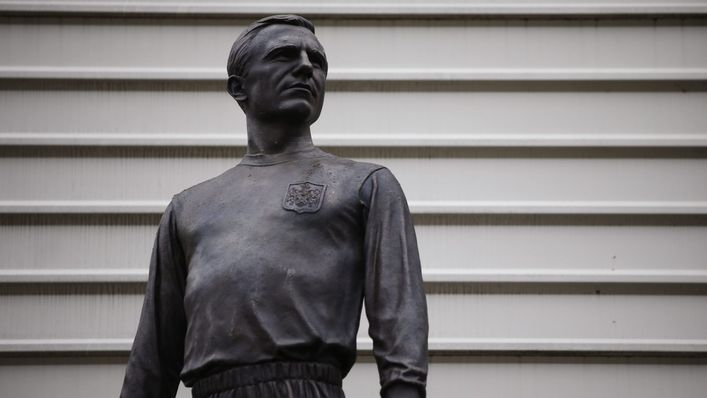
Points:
[(303, 86)]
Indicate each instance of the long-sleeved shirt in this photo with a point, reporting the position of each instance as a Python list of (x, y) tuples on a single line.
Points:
[(272, 261)]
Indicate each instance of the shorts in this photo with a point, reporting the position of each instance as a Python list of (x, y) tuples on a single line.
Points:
[(272, 380)]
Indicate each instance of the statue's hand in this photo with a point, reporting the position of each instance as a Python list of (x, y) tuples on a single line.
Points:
[(402, 390)]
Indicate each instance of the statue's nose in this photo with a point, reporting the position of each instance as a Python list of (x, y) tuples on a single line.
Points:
[(304, 65)]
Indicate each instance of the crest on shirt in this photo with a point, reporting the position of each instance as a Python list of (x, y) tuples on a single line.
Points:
[(304, 197)]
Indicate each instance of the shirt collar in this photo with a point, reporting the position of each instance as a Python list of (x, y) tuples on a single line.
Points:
[(262, 159)]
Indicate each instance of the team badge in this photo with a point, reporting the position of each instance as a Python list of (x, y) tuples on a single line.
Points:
[(304, 197)]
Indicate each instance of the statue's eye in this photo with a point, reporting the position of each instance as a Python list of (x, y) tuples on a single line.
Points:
[(317, 59), (283, 53)]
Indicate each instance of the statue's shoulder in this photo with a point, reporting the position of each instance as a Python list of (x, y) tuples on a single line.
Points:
[(354, 169), (206, 189)]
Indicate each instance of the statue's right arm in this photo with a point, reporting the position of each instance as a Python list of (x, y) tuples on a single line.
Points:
[(157, 355)]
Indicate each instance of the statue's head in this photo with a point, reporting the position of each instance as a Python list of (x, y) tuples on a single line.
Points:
[(277, 70)]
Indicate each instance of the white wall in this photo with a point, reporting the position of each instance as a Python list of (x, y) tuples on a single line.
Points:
[(554, 156)]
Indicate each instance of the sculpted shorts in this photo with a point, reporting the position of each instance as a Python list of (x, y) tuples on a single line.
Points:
[(272, 380)]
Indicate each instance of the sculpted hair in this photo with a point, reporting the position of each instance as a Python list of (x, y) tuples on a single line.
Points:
[(239, 57)]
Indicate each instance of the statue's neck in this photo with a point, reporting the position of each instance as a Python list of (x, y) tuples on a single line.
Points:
[(274, 138)]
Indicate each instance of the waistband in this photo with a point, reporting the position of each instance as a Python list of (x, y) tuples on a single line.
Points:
[(241, 376)]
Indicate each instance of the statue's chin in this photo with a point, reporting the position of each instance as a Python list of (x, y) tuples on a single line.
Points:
[(296, 112)]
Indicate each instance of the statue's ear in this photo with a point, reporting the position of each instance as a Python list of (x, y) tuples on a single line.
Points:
[(235, 88)]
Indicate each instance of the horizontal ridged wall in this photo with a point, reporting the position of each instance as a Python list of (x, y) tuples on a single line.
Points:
[(554, 157)]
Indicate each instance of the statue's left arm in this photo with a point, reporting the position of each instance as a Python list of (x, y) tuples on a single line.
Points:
[(394, 294)]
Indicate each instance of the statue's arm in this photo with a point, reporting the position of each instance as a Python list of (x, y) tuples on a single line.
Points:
[(394, 293), (158, 349)]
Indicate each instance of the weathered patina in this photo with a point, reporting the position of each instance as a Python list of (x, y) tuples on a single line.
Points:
[(258, 276)]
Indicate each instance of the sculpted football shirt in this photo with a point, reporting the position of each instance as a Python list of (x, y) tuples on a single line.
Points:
[(272, 261)]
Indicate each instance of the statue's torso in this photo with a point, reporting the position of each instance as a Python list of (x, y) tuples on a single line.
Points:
[(274, 251)]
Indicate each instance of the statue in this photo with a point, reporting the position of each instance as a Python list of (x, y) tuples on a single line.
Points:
[(258, 276)]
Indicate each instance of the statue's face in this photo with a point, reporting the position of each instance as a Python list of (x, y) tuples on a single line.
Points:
[(286, 75)]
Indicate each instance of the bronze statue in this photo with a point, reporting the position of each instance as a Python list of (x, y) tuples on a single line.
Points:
[(258, 276)]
